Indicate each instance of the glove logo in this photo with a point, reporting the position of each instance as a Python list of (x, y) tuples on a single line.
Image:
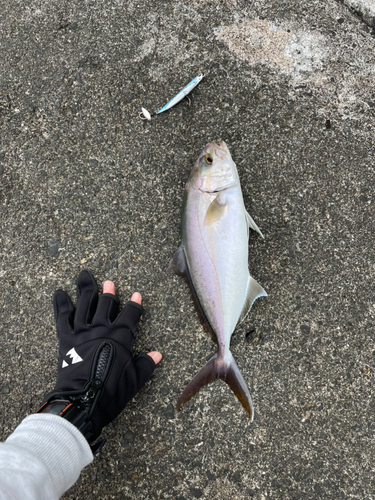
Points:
[(76, 358)]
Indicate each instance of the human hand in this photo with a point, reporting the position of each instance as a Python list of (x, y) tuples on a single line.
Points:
[(97, 374), (109, 287)]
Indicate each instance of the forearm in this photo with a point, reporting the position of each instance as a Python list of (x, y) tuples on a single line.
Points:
[(42, 458)]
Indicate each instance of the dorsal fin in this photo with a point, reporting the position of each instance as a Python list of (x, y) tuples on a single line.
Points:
[(178, 265), (253, 291)]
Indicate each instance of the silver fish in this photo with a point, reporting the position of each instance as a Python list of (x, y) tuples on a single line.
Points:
[(213, 259)]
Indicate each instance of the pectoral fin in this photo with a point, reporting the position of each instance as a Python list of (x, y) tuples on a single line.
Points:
[(216, 210), (252, 224), (254, 290)]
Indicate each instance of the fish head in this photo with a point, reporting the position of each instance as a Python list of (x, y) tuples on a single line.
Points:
[(214, 170)]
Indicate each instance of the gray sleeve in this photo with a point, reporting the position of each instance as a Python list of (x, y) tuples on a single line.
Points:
[(42, 458)]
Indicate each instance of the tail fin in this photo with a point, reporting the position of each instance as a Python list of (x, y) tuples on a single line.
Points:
[(226, 370)]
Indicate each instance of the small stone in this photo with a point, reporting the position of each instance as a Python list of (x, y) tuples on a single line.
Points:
[(169, 412), (236, 476), (210, 476), (129, 436), (53, 247), (5, 389), (305, 329), (196, 492), (1, 170), (94, 163), (39, 229), (254, 337)]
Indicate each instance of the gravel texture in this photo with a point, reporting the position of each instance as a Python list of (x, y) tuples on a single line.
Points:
[(364, 9), (84, 183)]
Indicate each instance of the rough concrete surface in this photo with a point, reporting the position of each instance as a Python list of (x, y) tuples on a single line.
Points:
[(365, 9), (84, 183)]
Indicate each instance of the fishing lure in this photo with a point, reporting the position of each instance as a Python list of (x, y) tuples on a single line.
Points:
[(145, 115)]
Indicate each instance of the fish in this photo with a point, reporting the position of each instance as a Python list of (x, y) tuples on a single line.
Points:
[(213, 260)]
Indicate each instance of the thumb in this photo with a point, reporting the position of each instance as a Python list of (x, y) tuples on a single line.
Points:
[(156, 356)]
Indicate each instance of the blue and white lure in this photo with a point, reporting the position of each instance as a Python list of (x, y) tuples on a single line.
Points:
[(145, 115)]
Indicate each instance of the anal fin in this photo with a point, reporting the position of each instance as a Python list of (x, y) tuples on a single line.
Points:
[(178, 264), (252, 224), (253, 291)]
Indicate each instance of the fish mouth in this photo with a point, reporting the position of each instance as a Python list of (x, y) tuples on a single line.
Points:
[(220, 145)]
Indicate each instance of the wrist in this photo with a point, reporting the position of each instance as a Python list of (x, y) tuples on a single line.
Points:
[(75, 413)]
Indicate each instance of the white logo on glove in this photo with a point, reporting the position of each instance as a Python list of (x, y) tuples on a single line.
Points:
[(76, 358)]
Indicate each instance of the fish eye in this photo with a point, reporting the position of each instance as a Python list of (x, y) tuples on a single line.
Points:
[(208, 160)]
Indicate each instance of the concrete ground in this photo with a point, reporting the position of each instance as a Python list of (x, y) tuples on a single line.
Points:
[(84, 183)]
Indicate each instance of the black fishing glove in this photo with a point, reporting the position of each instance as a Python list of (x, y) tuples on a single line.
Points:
[(97, 374)]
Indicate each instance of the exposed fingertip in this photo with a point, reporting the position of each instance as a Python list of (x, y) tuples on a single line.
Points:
[(109, 287), (156, 356), (137, 297)]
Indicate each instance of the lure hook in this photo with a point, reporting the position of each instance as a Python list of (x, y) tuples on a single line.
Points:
[(145, 115)]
